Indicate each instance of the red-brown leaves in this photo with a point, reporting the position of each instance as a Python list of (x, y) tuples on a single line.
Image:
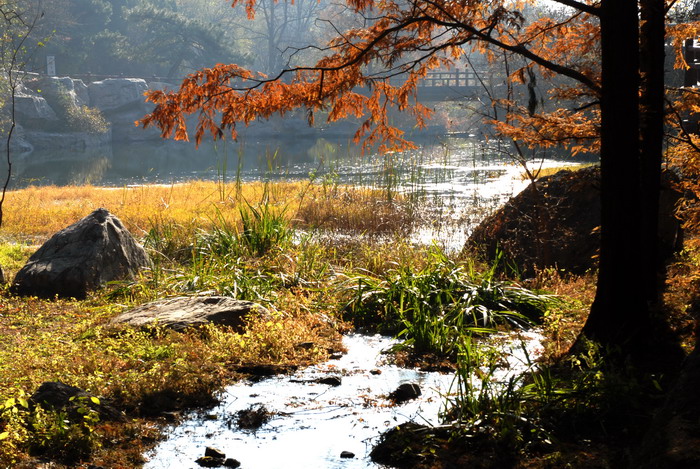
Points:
[(405, 40)]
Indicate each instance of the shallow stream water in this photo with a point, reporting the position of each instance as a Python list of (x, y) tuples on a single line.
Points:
[(313, 423)]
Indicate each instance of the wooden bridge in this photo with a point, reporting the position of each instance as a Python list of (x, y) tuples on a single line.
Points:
[(452, 85)]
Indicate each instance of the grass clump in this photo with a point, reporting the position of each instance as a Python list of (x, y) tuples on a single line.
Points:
[(432, 307)]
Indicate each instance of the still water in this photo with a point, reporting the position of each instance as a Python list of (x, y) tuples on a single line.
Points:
[(443, 164)]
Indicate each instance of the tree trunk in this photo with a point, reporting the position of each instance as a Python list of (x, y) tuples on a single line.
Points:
[(652, 34), (619, 310)]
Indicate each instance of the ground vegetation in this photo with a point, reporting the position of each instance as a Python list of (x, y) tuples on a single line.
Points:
[(316, 287)]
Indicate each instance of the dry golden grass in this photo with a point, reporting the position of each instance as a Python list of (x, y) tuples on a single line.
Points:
[(41, 211), (357, 210), (36, 213)]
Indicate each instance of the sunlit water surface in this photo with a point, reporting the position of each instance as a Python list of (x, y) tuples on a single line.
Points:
[(313, 423)]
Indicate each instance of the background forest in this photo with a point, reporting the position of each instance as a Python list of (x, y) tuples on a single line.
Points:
[(170, 38)]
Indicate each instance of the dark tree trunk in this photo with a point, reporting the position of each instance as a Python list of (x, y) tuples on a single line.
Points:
[(652, 133), (620, 309)]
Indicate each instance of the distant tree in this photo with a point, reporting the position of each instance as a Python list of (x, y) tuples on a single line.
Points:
[(284, 28), (174, 42), (18, 20), (73, 26)]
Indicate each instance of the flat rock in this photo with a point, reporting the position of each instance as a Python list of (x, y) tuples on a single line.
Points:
[(81, 258), (186, 311)]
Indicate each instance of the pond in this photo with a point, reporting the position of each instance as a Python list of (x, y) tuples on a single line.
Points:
[(458, 179), (312, 423)]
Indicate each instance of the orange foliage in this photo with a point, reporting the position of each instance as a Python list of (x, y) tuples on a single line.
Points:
[(407, 39)]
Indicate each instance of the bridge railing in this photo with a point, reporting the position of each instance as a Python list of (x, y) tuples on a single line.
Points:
[(453, 78)]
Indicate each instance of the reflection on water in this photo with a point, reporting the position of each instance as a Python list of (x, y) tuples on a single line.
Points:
[(166, 162), (442, 165)]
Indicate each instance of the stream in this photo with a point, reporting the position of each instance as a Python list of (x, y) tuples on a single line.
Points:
[(311, 423)]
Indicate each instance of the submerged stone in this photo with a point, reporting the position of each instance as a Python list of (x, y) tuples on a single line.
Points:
[(208, 461)]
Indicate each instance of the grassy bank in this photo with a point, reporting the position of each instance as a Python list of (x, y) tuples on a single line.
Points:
[(246, 241), (322, 259)]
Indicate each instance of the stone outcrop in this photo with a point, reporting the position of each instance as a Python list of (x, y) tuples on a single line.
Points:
[(81, 258), (47, 107), (122, 102), (555, 222), (115, 94), (33, 109), (187, 311), (62, 91)]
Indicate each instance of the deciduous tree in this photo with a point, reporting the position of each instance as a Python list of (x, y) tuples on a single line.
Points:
[(595, 44)]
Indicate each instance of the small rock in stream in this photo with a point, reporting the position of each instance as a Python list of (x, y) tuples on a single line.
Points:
[(212, 458), (330, 380), (347, 455), (170, 416), (208, 461), (375, 372), (230, 462), (253, 417), (214, 453), (405, 392)]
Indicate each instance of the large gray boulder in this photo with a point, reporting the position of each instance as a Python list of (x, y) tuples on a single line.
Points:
[(81, 258), (186, 311), (115, 94), (32, 108), (62, 91)]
